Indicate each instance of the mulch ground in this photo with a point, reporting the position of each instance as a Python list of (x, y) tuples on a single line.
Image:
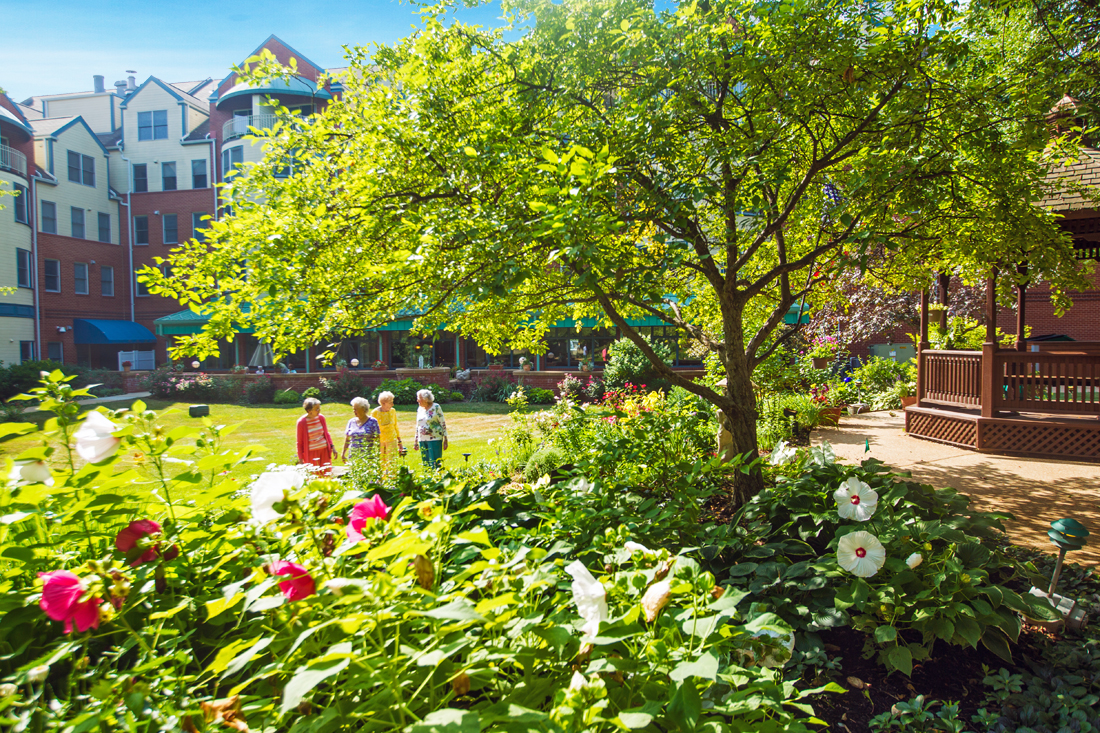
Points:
[(950, 675)]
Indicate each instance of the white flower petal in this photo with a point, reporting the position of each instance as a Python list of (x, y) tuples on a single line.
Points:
[(36, 472), (782, 453), (914, 560), (860, 553), (633, 547), (590, 597), (270, 489), (94, 441), (856, 500)]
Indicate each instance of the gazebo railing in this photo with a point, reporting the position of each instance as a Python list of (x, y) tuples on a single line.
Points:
[(1053, 382), (951, 378)]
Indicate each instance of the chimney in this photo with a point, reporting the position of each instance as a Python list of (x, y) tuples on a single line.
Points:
[(98, 81), (120, 88), (131, 83)]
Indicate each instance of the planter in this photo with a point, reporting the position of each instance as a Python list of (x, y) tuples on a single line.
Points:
[(125, 368), (857, 408), (908, 402), (822, 362), (528, 367), (496, 367), (378, 369), (830, 416)]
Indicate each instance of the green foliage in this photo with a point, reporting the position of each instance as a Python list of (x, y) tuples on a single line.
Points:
[(626, 363), (494, 387), (539, 396), (260, 391), (965, 334), (314, 392), (404, 390), (347, 385), (919, 714), (543, 461), (776, 423), (18, 378), (287, 397), (779, 372), (957, 593)]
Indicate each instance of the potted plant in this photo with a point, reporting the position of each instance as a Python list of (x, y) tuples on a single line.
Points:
[(378, 365), (823, 351), (524, 364), (495, 366), (823, 395), (586, 364), (126, 366)]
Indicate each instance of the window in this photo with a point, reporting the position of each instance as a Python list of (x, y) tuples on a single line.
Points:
[(231, 161), (26, 351), (78, 221), (168, 176), (171, 229), (139, 287), (52, 271), (21, 204), (49, 217), (141, 178), (104, 227), (141, 230), (23, 267), (153, 125), (197, 225), (80, 278), (81, 168), (107, 281), (198, 174), (55, 351)]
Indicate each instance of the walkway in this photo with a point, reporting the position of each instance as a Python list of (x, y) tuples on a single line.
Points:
[(1034, 490), (102, 400)]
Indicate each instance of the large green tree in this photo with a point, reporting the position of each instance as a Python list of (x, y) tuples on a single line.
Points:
[(708, 165)]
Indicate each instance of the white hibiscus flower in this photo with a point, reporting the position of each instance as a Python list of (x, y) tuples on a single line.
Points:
[(94, 441), (590, 597), (270, 489), (782, 453), (856, 500), (914, 560), (861, 554)]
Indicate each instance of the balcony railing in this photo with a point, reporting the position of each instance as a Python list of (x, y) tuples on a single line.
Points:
[(12, 160), (240, 126)]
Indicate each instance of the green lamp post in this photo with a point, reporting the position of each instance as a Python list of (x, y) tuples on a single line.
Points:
[(1066, 534)]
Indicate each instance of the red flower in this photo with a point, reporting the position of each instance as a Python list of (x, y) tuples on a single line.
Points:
[(301, 583), (61, 591), (128, 537), (372, 508)]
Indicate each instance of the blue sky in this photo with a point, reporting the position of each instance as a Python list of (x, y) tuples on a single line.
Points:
[(55, 46)]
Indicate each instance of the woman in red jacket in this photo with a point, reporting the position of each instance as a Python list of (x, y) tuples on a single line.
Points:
[(315, 446)]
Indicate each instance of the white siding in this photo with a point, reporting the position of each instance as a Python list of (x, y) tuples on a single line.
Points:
[(152, 153), (96, 110), (67, 194)]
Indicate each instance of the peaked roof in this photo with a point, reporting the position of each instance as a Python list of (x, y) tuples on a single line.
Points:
[(180, 96), (54, 126), (1085, 171)]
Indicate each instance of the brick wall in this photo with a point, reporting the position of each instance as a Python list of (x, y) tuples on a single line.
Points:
[(1081, 322), (133, 381)]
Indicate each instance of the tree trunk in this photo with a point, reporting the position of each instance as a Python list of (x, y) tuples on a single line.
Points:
[(739, 415)]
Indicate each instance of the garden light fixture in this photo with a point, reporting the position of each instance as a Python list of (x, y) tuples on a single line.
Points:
[(195, 364), (355, 363), (1066, 534), (467, 457)]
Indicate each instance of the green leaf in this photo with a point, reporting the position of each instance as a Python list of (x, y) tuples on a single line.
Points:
[(942, 628), (885, 634), (240, 661), (170, 612), (311, 675), (227, 653), (685, 706), (969, 629), (705, 667), (901, 659), (457, 610), (634, 719), (217, 606), (995, 641), (447, 720)]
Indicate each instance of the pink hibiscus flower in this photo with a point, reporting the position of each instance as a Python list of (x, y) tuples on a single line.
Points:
[(372, 508), (301, 583), (61, 591), (128, 537)]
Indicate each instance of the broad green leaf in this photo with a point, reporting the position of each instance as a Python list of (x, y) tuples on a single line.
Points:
[(885, 634), (311, 675), (901, 659), (685, 706), (705, 667), (239, 662)]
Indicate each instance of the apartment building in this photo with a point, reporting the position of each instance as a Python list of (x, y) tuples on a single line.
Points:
[(105, 182)]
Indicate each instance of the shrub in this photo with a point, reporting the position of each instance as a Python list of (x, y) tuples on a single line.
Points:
[(404, 391), (260, 391), (539, 396), (312, 392), (494, 388), (19, 378), (571, 388), (627, 364), (347, 385), (593, 390), (287, 397), (545, 460)]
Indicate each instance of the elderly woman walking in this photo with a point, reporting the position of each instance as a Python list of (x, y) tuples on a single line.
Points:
[(315, 446), (431, 429), (362, 429), (390, 439)]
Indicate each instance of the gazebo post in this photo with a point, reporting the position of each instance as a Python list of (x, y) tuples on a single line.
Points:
[(1021, 300), (944, 283), (923, 345), (989, 348)]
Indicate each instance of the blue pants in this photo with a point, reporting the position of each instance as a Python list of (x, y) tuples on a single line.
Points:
[(431, 452)]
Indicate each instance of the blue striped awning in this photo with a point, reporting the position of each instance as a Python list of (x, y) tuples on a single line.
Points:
[(87, 331)]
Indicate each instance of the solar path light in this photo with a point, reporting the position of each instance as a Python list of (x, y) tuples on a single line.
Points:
[(1066, 534)]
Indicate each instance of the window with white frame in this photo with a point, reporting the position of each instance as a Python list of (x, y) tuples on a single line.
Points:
[(81, 168), (77, 215), (231, 161), (153, 125), (171, 229), (140, 288), (168, 176), (23, 268), (198, 225), (55, 351), (51, 273), (107, 281), (80, 278), (104, 227), (26, 351), (49, 217)]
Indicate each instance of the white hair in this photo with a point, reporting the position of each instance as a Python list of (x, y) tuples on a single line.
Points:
[(426, 395), (383, 396), (360, 402)]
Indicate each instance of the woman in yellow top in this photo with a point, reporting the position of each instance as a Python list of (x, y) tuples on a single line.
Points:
[(389, 441)]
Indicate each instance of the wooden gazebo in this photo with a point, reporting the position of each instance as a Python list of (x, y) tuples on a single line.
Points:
[(1039, 398)]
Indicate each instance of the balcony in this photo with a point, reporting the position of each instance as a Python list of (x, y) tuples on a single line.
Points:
[(243, 124), (12, 160)]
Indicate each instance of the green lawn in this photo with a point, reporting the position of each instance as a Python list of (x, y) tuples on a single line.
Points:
[(469, 425)]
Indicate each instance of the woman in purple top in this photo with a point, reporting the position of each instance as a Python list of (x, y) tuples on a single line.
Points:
[(362, 430)]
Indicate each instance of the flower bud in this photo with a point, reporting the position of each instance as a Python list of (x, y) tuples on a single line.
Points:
[(656, 597), (39, 673), (425, 573), (914, 560), (8, 689), (461, 684)]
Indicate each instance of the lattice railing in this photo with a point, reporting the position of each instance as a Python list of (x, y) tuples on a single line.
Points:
[(932, 426), (1055, 383), (951, 378)]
